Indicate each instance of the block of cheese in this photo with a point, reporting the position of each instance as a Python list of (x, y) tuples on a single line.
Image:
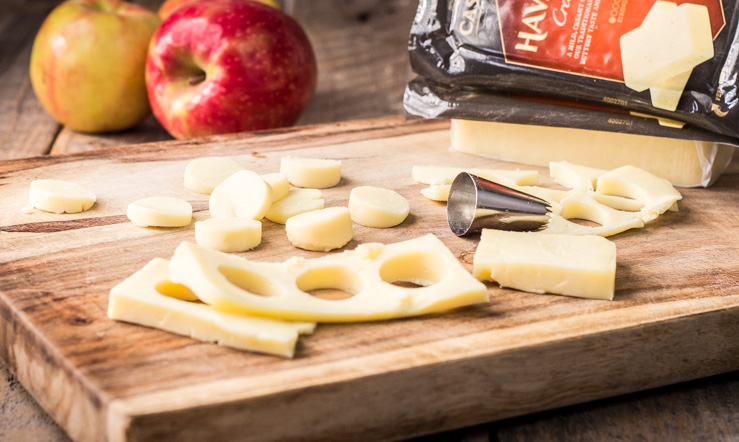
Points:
[(316, 173), (160, 211), (445, 175), (58, 196), (377, 207), (372, 273), (682, 162), (244, 194), (320, 230), (202, 175), (669, 42), (279, 184), (142, 299), (228, 234), (580, 266), (295, 202)]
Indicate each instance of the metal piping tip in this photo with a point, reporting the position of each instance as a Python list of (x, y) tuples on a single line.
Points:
[(476, 203)]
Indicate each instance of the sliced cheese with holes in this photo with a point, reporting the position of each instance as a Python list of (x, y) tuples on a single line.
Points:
[(377, 207), (160, 211), (228, 234), (58, 196), (320, 230), (315, 173), (202, 175), (279, 184), (574, 175), (144, 298), (580, 204), (656, 194), (244, 194), (682, 162), (580, 266), (445, 175), (370, 272), (295, 202)]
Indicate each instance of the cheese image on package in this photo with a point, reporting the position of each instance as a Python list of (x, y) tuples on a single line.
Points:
[(661, 53), (146, 298), (371, 273)]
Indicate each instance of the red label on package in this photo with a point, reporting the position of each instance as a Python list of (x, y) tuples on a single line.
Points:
[(578, 36)]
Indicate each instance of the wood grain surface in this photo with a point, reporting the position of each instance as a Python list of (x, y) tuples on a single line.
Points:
[(674, 318)]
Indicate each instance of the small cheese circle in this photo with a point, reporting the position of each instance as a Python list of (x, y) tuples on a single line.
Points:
[(377, 207), (228, 234), (244, 194), (320, 230), (279, 184), (314, 173), (160, 211), (202, 175), (296, 201), (59, 196)]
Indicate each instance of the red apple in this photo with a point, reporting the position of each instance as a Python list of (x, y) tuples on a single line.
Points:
[(224, 66), (87, 64), (169, 6)]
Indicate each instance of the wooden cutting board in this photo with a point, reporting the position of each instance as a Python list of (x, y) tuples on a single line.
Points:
[(675, 315)]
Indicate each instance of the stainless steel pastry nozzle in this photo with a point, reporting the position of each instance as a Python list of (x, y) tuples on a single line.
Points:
[(476, 203)]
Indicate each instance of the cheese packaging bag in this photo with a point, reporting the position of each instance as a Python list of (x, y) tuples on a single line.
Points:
[(653, 69)]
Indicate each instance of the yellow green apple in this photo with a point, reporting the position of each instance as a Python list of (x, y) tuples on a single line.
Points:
[(87, 64)]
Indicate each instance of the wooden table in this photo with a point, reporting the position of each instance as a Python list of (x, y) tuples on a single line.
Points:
[(360, 45)]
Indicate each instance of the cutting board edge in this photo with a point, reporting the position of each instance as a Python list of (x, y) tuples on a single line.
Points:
[(587, 382)]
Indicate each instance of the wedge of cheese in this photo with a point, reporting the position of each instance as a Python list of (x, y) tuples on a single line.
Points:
[(145, 298), (371, 273), (580, 266)]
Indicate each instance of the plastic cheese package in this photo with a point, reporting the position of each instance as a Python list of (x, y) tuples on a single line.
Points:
[(594, 76)]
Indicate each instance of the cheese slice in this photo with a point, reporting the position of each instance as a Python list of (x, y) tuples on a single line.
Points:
[(244, 194), (580, 266), (574, 175), (371, 272), (58, 196), (160, 211), (202, 175), (315, 173), (143, 299), (320, 230), (295, 202), (439, 175), (683, 162), (228, 234), (279, 184), (377, 207)]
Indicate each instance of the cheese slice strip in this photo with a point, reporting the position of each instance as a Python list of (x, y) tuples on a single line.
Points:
[(445, 175), (58, 196), (295, 202), (580, 266), (369, 272), (160, 211), (574, 175), (202, 175), (244, 194), (140, 300)]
